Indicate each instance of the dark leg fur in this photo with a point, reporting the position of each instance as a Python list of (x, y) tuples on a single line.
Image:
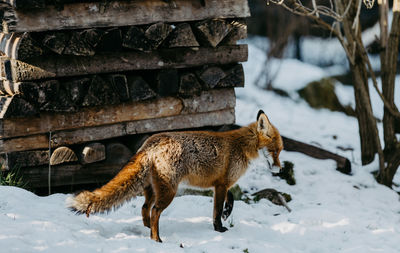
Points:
[(164, 194), (148, 204), (228, 205), (219, 197)]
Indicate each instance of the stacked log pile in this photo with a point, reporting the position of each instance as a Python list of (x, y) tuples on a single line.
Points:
[(83, 83)]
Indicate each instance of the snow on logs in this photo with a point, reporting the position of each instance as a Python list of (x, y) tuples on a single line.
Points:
[(84, 82)]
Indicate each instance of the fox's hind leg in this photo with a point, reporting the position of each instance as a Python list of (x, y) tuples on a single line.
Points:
[(148, 204), (164, 194), (219, 198)]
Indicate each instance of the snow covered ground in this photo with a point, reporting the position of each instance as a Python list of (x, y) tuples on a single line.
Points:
[(331, 212)]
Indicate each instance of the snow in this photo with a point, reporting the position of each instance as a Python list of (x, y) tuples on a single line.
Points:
[(331, 212)]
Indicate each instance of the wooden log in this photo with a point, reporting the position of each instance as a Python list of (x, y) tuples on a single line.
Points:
[(24, 159), (77, 136), (83, 43), (120, 85), (189, 85), (182, 36), (343, 164), (9, 88), (117, 153), (207, 101), (234, 77), (55, 41), (100, 92), (139, 89), (77, 89), (59, 103), (111, 40), (215, 118), (13, 107), (157, 33), (19, 46), (73, 174), (212, 32), (212, 100), (25, 4), (212, 76), (167, 82), (136, 39), (93, 152), (63, 66), (39, 93), (63, 155), (238, 32), (119, 13)]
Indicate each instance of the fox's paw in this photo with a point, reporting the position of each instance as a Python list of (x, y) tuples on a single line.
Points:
[(219, 228)]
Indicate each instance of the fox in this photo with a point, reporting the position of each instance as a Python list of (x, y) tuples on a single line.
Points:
[(201, 158)]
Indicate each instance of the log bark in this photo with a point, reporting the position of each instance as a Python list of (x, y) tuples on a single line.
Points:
[(64, 66), (343, 164), (163, 107), (78, 136), (120, 13)]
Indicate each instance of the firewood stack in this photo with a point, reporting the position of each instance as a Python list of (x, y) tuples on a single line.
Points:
[(83, 83)]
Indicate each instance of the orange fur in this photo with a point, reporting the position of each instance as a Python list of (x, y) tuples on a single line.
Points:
[(202, 158)]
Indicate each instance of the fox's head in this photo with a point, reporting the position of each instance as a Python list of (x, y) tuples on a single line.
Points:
[(269, 138)]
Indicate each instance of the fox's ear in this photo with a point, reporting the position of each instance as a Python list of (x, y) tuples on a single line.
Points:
[(263, 123), (259, 114)]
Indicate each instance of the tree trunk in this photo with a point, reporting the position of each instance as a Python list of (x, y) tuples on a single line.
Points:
[(388, 69), (369, 135)]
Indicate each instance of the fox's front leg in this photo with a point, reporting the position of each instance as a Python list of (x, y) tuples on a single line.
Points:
[(219, 198)]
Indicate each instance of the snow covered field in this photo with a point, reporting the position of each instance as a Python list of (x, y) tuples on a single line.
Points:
[(331, 212)]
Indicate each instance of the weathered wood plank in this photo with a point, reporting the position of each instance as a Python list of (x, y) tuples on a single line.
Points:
[(216, 118), (64, 66), (163, 107), (66, 138), (120, 13)]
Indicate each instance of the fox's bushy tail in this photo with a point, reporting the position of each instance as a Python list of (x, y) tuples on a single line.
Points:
[(125, 185)]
